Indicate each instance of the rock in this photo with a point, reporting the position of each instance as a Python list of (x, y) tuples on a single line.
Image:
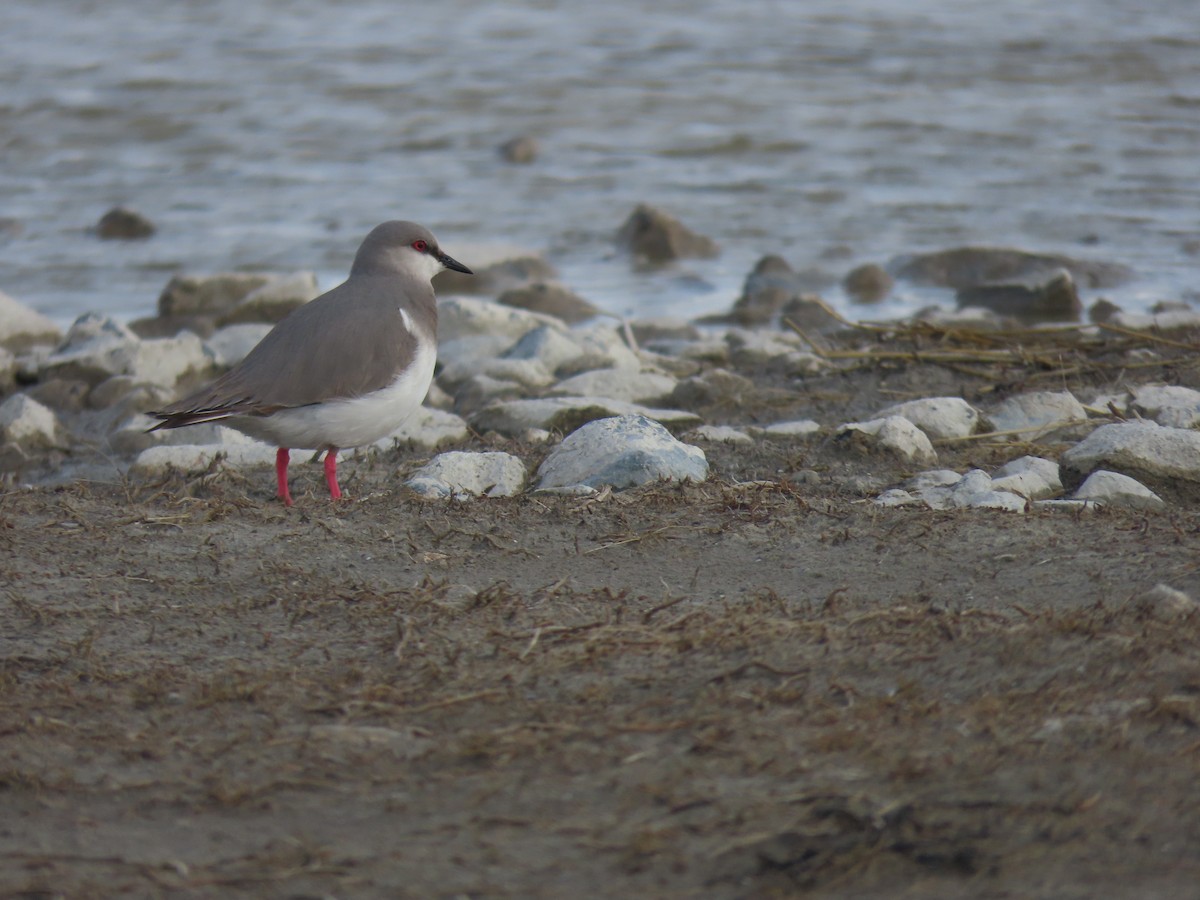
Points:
[(867, 283), (274, 300), (779, 352), (706, 350), (934, 478), (1042, 411), (798, 430), (132, 436), (169, 326), (712, 388), (1114, 489), (770, 284), (427, 429), (719, 434), (198, 458), (1103, 311), (1177, 407), (896, 497), (520, 150), (22, 328), (895, 435), (1151, 453), (125, 389), (1166, 603), (460, 475), (123, 224), (497, 267), (229, 345), (621, 452), (938, 417), (602, 347), (97, 348), (209, 295), (1055, 300), (965, 267), (1161, 322), (8, 371), (551, 300), (619, 384), (28, 425), (479, 391), (551, 347), (460, 317), (1030, 476), (663, 328), (62, 394), (564, 414), (657, 237)]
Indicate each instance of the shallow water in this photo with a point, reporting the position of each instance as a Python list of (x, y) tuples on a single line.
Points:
[(274, 134)]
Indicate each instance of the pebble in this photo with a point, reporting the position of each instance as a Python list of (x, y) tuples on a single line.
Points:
[(938, 417), (1177, 407), (621, 452), (123, 224), (896, 435), (1166, 603), (1114, 489), (198, 457), (460, 475), (1039, 411), (229, 345), (797, 430), (618, 384), (520, 150), (551, 299), (97, 348), (427, 429), (1144, 450), (513, 417), (1030, 476), (29, 425), (498, 267), (868, 283), (274, 300), (464, 316), (658, 237), (209, 295), (22, 328)]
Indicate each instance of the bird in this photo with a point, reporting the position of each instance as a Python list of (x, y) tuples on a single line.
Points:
[(344, 369)]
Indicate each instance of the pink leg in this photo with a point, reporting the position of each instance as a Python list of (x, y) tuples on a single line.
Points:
[(281, 467), (335, 492)]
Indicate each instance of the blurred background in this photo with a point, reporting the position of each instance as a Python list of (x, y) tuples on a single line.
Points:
[(273, 134)]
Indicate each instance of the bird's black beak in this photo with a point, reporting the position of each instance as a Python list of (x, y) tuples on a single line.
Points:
[(451, 263)]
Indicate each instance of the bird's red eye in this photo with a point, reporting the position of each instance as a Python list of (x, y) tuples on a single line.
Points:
[(420, 246)]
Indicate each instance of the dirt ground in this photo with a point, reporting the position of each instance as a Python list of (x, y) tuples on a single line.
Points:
[(729, 689)]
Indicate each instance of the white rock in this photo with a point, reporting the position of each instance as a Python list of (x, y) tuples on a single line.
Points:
[(898, 436), (1166, 603), (999, 500), (933, 478), (427, 429), (620, 384), (229, 345), (1030, 476), (28, 425), (797, 430), (603, 347), (98, 348), (1042, 410), (1115, 489), (752, 347), (274, 300), (938, 417), (1175, 318), (197, 458), (549, 346), (462, 316), (22, 327), (623, 451), (719, 434), (896, 497), (1144, 449), (1073, 506), (132, 435), (513, 417), (1177, 407), (460, 475), (972, 485), (464, 353)]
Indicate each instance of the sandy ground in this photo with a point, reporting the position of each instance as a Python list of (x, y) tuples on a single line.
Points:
[(713, 690)]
